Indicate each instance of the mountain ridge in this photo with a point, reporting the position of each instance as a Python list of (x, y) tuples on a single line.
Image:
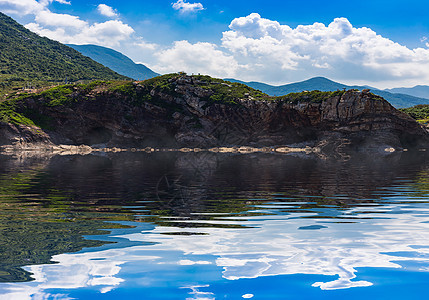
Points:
[(416, 91), (116, 61), (324, 84)]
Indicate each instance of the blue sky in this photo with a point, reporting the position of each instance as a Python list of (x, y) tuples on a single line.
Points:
[(380, 43)]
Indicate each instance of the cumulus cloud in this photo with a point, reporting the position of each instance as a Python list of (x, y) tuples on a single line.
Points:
[(147, 46), (186, 7), (109, 33), (25, 7), (255, 48), (106, 10), (51, 19), (205, 58), (62, 1), (338, 50), (20, 7)]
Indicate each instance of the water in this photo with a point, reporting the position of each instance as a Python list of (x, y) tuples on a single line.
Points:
[(214, 226)]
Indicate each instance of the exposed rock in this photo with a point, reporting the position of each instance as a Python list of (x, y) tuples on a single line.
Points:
[(20, 136), (185, 118)]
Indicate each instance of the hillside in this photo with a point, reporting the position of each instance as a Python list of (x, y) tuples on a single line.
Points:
[(417, 91), (116, 61), (418, 112), (177, 110), (28, 59), (324, 84)]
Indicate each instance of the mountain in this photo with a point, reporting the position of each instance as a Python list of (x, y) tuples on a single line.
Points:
[(27, 57), (417, 91), (116, 61), (324, 84)]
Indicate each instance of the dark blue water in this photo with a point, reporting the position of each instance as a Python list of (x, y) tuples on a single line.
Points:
[(214, 226)]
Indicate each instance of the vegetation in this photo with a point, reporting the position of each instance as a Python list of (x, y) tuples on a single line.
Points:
[(57, 95), (212, 90), (418, 112), (30, 61), (8, 114), (312, 97), (218, 90), (227, 92), (162, 83)]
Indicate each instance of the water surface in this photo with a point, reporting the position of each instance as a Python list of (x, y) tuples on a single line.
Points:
[(214, 226)]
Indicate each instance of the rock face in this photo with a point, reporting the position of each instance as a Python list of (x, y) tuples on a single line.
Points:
[(20, 135), (186, 118)]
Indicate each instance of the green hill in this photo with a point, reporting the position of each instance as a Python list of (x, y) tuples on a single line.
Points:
[(116, 61), (324, 84), (28, 59)]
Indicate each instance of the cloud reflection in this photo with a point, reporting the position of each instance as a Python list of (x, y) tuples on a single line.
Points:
[(270, 246), (277, 246)]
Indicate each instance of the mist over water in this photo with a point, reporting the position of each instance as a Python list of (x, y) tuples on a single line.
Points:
[(214, 226)]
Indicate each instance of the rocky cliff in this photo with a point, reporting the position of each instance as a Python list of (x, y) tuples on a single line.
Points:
[(177, 110)]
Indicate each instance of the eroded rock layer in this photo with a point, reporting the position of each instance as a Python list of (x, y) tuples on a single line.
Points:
[(186, 114)]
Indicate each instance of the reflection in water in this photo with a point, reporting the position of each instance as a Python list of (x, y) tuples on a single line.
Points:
[(184, 226), (35, 227)]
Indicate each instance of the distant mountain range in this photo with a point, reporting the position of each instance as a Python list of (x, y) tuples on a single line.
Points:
[(417, 91), (116, 61), (26, 57), (399, 100)]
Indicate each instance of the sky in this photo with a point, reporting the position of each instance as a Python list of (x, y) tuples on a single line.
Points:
[(380, 43)]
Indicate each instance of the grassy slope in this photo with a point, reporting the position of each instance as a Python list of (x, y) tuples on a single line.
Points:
[(418, 112), (28, 58)]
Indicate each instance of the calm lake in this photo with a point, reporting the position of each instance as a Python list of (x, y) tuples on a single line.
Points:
[(214, 226)]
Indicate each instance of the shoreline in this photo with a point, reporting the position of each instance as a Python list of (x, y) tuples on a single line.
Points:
[(85, 149), (63, 150)]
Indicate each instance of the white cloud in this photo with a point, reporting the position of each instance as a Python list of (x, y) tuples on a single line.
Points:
[(186, 7), (50, 19), (25, 7), (200, 57), (147, 46), (20, 7), (47, 2), (106, 10), (339, 51), (109, 33), (255, 48)]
